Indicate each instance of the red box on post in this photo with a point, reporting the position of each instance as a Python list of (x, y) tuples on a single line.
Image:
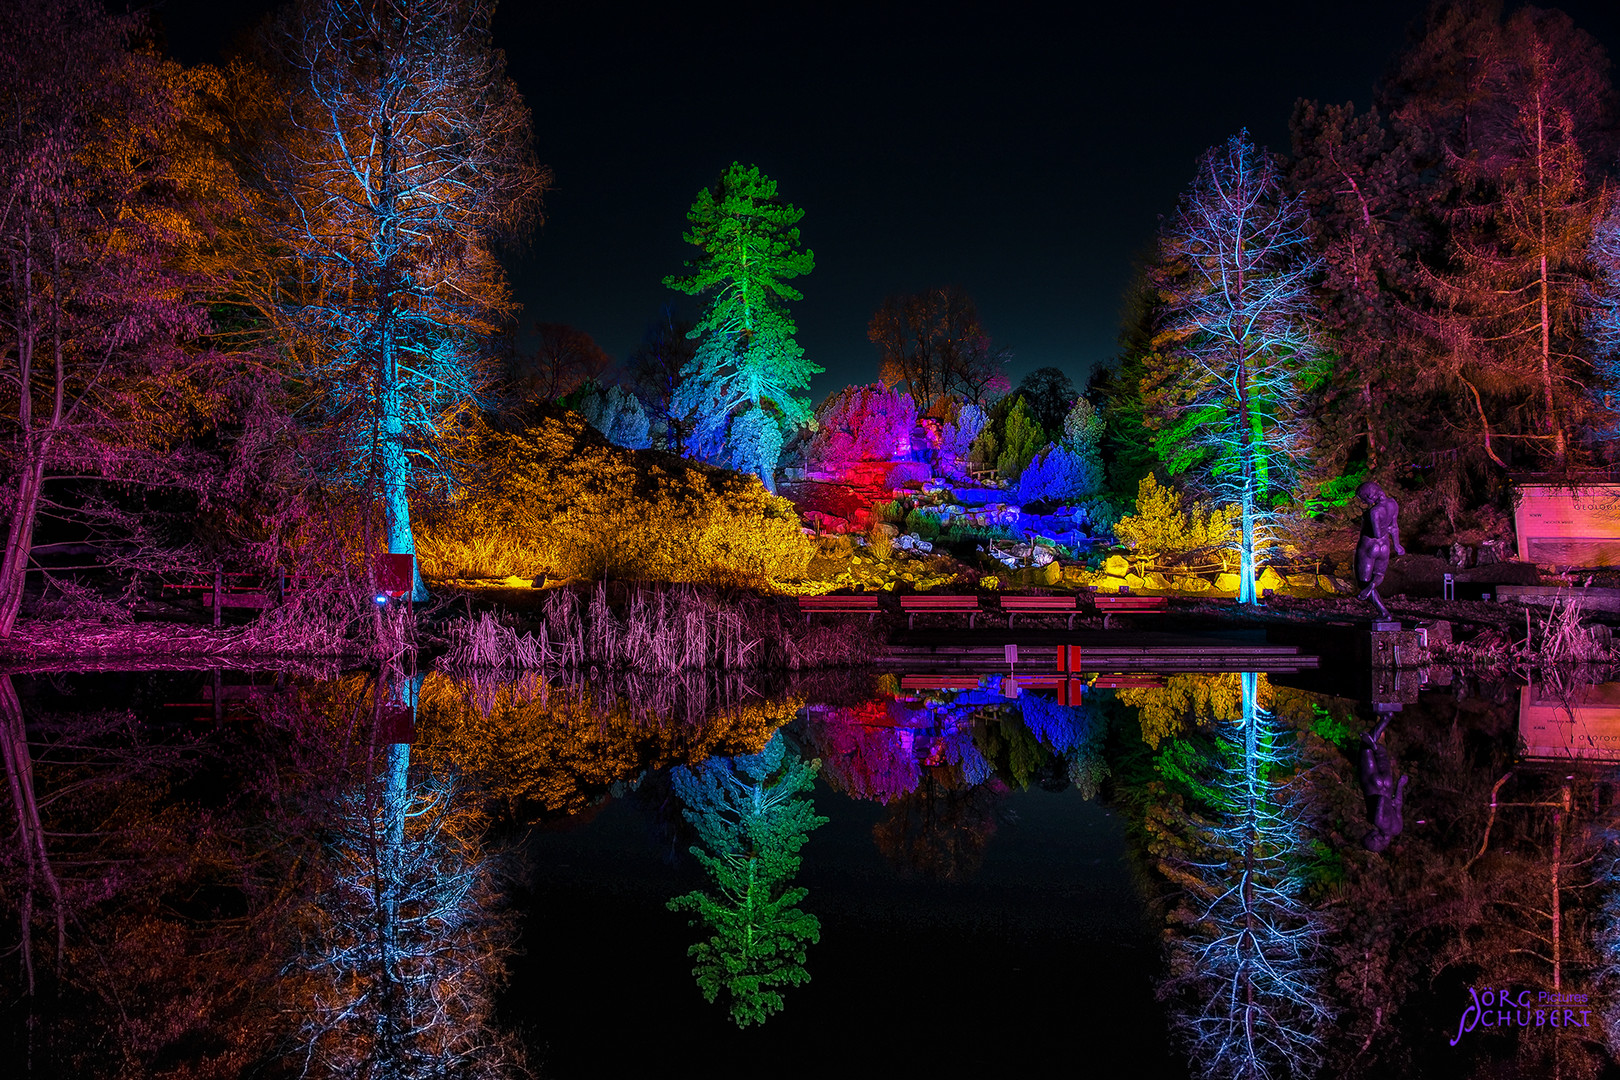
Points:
[(395, 574)]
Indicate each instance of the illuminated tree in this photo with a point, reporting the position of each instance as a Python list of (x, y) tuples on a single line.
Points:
[(862, 423), (99, 311), (742, 386), (1512, 330), (1227, 400), (405, 155), (617, 414), (1244, 969), (751, 823), (934, 343), (1022, 438), (863, 754)]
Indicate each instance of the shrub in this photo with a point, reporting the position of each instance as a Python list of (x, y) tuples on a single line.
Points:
[(557, 498), (1023, 439), (862, 423), (1162, 527), (957, 440), (924, 525), (1059, 475)]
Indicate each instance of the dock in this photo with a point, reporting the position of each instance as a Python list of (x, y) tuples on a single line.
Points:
[(1100, 651)]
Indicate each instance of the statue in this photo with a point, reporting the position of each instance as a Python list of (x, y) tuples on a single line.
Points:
[(1384, 793), (1380, 535)]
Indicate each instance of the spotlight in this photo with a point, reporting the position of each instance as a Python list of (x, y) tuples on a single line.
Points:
[(381, 598)]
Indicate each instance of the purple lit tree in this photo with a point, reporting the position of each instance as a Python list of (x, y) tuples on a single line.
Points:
[(405, 155), (1227, 399), (100, 374), (862, 423)]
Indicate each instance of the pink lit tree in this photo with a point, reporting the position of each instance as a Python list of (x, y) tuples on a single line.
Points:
[(862, 423)]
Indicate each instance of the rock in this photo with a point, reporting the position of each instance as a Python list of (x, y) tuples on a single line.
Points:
[(1155, 580), (1117, 566), (1075, 575), (1043, 556), (1192, 583), (1502, 573), (1110, 583), (1328, 584), (1226, 583), (1302, 581), (1135, 581), (1342, 586), (923, 545), (1268, 579), (1050, 574)]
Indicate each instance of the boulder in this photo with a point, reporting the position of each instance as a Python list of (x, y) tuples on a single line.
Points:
[(1155, 580), (1268, 579), (1303, 581), (1050, 574), (1117, 566), (1226, 583), (1135, 581), (1075, 575), (1192, 583), (1109, 583)]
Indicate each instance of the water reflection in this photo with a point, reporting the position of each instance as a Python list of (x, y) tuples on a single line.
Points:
[(752, 819), (327, 874)]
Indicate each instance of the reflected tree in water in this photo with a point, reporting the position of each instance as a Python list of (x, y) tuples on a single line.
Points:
[(1074, 733), (941, 830), (1244, 978), (751, 822), (403, 946), (865, 754)]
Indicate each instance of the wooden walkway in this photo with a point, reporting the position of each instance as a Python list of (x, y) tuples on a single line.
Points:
[(1099, 650)]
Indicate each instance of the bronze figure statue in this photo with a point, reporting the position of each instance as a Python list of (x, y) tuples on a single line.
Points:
[(1380, 536), (1385, 794)]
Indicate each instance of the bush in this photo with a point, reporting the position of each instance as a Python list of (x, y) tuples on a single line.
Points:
[(906, 472), (1059, 475), (924, 525), (557, 498), (1023, 439), (862, 423), (1162, 527)]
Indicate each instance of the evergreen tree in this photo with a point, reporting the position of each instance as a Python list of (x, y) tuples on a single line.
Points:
[(741, 386), (1022, 438), (655, 367), (751, 823), (1227, 398)]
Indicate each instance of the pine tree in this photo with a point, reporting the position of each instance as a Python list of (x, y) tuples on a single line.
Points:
[(1236, 353), (751, 823), (1022, 438), (742, 385)]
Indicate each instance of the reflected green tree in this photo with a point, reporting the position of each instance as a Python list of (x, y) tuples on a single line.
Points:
[(751, 821)]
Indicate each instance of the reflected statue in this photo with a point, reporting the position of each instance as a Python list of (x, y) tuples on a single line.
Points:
[(1384, 793), (1380, 537)]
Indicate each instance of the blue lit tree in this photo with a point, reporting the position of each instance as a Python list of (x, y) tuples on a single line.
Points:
[(1605, 317), (1236, 353), (1244, 967), (406, 153), (751, 822), (742, 388)]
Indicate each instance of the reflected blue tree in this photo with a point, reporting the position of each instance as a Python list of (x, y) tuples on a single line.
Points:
[(1244, 970), (751, 819), (403, 945), (1075, 733)]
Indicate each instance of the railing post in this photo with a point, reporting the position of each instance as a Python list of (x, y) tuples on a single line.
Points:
[(219, 588)]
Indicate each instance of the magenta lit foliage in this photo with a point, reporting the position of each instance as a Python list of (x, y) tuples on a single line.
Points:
[(862, 423), (863, 754)]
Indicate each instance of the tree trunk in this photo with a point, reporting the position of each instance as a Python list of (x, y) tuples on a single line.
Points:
[(20, 541), (37, 871)]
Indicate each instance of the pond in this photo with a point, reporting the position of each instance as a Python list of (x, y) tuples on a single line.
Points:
[(224, 873)]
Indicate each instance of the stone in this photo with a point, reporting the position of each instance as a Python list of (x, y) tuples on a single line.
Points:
[(1075, 575), (1117, 566), (1192, 583), (1302, 581), (1226, 583), (1268, 579), (1050, 574), (1135, 581), (1327, 584), (1110, 583), (1155, 580)]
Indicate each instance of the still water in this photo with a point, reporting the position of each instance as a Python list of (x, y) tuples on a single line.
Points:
[(401, 874)]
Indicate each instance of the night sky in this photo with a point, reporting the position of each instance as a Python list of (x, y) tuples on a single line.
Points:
[(1023, 155)]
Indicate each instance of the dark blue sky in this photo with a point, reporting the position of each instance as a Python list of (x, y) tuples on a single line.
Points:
[(1021, 152)]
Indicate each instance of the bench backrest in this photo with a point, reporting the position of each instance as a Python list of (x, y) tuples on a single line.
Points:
[(1133, 603), (1038, 603), (838, 601), (953, 602)]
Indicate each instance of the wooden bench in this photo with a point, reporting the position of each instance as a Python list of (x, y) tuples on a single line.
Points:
[(1032, 605), (1111, 605), (944, 605), (862, 602)]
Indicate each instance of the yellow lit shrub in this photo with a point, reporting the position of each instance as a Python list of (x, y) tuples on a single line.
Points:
[(1161, 526), (1190, 700), (557, 498)]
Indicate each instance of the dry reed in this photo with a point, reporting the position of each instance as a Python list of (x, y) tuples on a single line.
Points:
[(657, 630)]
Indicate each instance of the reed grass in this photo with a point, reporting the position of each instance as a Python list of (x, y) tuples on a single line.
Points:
[(655, 630)]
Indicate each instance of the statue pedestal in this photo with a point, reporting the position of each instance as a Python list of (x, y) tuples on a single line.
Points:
[(1384, 626)]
